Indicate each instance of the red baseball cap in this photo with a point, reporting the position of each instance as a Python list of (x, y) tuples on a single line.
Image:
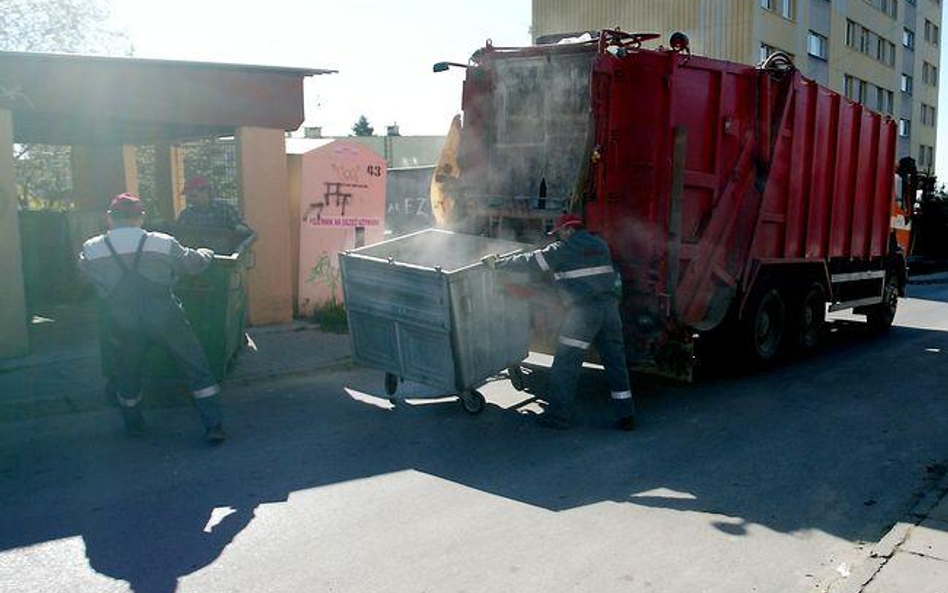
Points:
[(197, 182), (566, 220), (128, 204)]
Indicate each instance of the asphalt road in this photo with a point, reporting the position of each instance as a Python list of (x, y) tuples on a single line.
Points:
[(769, 481)]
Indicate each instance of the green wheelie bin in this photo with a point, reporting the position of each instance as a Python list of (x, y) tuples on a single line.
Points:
[(214, 301)]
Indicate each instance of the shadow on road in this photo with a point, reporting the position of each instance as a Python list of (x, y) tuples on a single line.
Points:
[(833, 443)]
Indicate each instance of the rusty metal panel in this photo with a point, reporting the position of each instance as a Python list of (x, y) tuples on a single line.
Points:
[(60, 99)]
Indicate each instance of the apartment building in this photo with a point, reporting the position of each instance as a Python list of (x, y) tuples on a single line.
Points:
[(882, 53)]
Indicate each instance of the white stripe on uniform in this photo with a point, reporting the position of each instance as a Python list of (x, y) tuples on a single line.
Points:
[(541, 261), (583, 272), (207, 392), (621, 395), (129, 402), (573, 343)]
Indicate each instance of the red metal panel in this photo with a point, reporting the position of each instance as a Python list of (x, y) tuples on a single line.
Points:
[(824, 170), (868, 151), (846, 146), (885, 195), (800, 163)]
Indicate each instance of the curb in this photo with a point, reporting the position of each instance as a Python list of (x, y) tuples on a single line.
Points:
[(934, 278), (95, 401), (885, 548)]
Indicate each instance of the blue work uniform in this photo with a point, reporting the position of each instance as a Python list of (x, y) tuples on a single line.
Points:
[(217, 214), (585, 278), (133, 271)]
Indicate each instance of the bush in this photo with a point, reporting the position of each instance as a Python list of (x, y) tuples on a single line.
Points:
[(331, 318)]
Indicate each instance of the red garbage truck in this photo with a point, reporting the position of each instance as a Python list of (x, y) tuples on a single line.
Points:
[(737, 200)]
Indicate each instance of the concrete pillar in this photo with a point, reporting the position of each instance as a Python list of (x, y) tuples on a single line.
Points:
[(15, 340), (294, 165), (169, 180), (98, 174), (262, 172)]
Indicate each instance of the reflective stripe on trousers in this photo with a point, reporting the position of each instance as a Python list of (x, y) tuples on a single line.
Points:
[(598, 324)]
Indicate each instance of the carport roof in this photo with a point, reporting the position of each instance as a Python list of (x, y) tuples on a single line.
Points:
[(73, 99)]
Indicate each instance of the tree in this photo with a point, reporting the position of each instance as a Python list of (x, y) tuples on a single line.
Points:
[(44, 173), (363, 127), (65, 26)]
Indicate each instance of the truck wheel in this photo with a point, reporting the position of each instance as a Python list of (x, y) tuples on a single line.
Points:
[(811, 317), (880, 317), (766, 326)]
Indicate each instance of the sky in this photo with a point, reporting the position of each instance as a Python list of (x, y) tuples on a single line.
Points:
[(383, 49)]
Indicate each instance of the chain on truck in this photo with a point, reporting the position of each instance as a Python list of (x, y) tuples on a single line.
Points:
[(738, 201)]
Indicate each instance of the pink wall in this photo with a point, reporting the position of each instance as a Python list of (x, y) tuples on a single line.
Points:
[(342, 200)]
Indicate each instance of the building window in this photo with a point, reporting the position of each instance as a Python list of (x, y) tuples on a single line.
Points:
[(855, 88), (905, 128), (891, 8), (932, 32), (817, 45), (768, 50), (908, 38), (928, 115), (907, 84), (929, 74), (885, 100), (867, 42), (785, 8), (926, 156)]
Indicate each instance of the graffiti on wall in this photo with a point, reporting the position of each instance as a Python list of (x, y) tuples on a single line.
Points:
[(330, 209), (326, 274)]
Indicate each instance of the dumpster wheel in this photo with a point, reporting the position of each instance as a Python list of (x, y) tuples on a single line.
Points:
[(473, 401), (391, 383), (515, 373)]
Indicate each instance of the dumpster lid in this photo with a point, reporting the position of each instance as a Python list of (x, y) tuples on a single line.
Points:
[(436, 248)]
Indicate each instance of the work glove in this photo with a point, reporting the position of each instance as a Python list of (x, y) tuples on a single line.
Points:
[(490, 261)]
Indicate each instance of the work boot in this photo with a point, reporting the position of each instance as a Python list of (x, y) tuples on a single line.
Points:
[(626, 424), (134, 421), (215, 434)]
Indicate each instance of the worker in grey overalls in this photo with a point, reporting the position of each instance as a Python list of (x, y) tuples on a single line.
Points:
[(581, 268), (133, 271)]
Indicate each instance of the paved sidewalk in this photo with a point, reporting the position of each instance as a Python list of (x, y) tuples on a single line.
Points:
[(913, 555), (62, 374)]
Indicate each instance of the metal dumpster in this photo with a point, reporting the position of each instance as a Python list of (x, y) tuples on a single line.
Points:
[(423, 308), (215, 303)]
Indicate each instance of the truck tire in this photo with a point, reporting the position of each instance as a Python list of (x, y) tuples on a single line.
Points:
[(811, 318), (879, 317), (765, 326)]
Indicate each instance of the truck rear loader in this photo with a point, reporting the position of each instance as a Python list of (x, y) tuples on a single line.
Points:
[(739, 201)]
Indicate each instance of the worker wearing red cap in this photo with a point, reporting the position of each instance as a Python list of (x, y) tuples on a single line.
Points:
[(581, 268), (133, 271), (204, 211)]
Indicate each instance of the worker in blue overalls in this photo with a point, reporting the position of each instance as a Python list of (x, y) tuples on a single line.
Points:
[(581, 268), (133, 271)]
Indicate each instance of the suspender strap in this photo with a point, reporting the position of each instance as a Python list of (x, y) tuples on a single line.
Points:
[(138, 251), (118, 258)]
